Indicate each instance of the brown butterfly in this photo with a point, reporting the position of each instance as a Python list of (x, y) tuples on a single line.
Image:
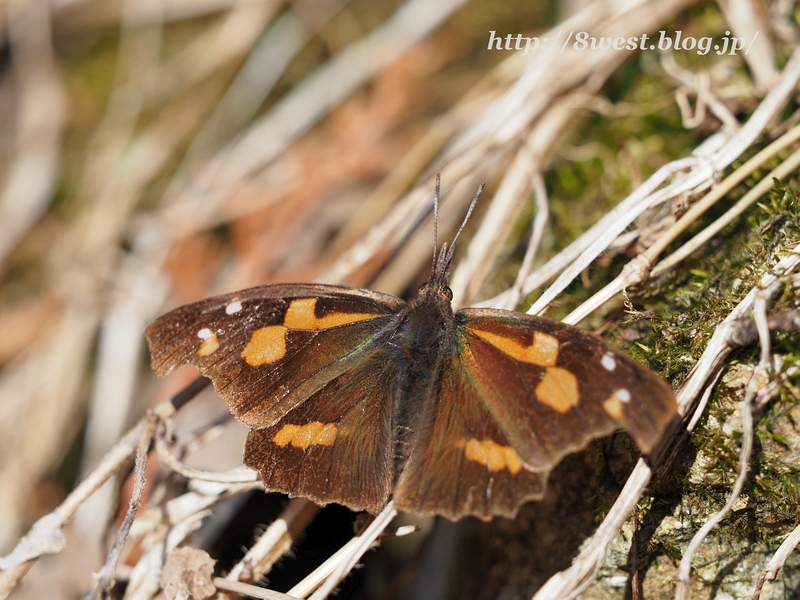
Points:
[(358, 397)]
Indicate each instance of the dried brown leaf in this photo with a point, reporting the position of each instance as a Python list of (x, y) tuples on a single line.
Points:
[(187, 575)]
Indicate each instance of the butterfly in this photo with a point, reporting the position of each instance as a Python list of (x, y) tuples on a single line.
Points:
[(357, 397)]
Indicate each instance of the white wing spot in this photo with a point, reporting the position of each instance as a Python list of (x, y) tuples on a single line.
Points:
[(623, 395), (608, 362), (233, 308), (204, 333)]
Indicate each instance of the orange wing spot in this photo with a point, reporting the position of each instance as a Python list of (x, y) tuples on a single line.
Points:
[(209, 345), (304, 436), (542, 352), (491, 454), (266, 346), (300, 315), (613, 407), (558, 389)]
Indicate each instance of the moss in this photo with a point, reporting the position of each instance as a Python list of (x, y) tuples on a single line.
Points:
[(690, 301)]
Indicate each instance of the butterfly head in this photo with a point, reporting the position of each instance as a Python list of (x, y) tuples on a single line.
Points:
[(439, 282)]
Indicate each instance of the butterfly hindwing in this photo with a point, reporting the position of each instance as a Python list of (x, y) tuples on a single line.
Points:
[(257, 345), (462, 462), (337, 445)]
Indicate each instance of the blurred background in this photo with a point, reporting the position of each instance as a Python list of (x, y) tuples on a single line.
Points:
[(155, 152)]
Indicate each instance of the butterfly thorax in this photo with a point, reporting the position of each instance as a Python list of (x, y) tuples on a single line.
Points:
[(427, 327)]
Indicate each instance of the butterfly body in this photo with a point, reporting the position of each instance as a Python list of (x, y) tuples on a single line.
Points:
[(425, 337)]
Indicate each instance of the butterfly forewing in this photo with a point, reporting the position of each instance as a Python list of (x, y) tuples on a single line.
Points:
[(553, 387), (257, 345)]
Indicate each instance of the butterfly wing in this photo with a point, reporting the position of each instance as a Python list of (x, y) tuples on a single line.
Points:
[(517, 394), (337, 445), (462, 462), (258, 346), (303, 366)]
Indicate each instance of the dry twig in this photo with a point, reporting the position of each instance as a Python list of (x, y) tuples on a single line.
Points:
[(773, 569), (757, 380)]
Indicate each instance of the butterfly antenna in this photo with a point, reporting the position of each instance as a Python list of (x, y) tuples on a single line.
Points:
[(460, 229), (435, 224)]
